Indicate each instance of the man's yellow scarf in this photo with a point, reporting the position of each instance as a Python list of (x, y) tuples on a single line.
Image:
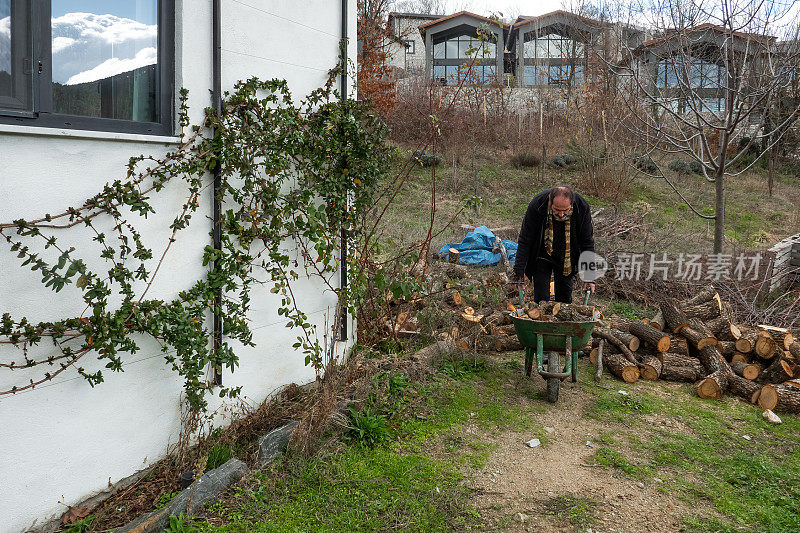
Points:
[(548, 238)]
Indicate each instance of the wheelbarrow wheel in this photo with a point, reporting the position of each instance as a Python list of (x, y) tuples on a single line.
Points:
[(553, 384)]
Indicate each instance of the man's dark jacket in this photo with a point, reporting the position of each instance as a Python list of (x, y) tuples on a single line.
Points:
[(531, 236)]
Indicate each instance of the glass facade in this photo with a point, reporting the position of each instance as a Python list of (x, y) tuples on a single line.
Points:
[(692, 73), (464, 47), (557, 60)]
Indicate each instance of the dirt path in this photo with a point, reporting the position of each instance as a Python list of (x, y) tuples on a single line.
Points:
[(541, 483)]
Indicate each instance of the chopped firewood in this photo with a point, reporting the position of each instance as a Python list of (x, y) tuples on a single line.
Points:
[(722, 328), (658, 321), (547, 307), (624, 350), (502, 330), (674, 318), (621, 367), (512, 308), (476, 319), (713, 386), (743, 388), (747, 371), (739, 357), (794, 349), (630, 340), (765, 346), (534, 313), (453, 255), (747, 342), (713, 361), (678, 344), (457, 299), (469, 311), (783, 338), (698, 339), (705, 311), (726, 347), (779, 398), (676, 367), (650, 368), (565, 314), (498, 343), (778, 372), (594, 353), (650, 335), (703, 296)]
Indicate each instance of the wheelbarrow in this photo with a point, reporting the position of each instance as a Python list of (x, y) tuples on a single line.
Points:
[(545, 342)]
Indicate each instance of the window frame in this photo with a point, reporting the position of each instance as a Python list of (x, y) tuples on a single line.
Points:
[(410, 46), (42, 115)]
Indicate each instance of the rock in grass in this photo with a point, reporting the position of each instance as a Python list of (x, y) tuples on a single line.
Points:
[(271, 445), (533, 443), (771, 417), (209, 486)]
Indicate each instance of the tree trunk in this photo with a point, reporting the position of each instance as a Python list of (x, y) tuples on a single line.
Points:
[(706, 294), (594, 354), (697, 339), (678, 345), (498, 343), (713, 386), (658, 321), (738, 357), (794, 349), (726, 347), (780, 398), (704, 311), (747, 342), (674, 317), (783, 338), (650, 335), (713, 361), (765, 346), (719, 210), (778, 372), (630, 340), (626, 353), (743, 388), (651, 368), (620, 367), (749, 372)]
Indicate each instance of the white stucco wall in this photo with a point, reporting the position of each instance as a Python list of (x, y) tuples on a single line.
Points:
[(65, 441), (407, 29)]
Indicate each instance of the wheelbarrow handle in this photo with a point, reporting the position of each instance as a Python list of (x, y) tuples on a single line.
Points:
[(586, 296), (521, 296)]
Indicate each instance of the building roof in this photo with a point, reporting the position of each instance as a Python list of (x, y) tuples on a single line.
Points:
[(398, 14), (424, 27), (703, 28), (524, 21)]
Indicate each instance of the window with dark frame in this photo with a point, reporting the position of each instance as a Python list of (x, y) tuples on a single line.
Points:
[(89, 65), (409, 46)]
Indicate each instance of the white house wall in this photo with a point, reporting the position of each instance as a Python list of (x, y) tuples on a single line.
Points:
[(65, 441)]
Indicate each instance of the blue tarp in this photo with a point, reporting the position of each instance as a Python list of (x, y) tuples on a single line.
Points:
[(476, 248)]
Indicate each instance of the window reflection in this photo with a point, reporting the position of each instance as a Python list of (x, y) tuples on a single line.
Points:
[(5, 48), (105, 57)]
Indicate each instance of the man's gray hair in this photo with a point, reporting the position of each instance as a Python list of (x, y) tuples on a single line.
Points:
[(562, 191)]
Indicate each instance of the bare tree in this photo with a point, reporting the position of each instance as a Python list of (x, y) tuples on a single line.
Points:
[(426, 7), (708, 87)]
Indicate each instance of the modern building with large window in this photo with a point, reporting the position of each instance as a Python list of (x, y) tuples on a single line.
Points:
[(465, 46), (556, 48)]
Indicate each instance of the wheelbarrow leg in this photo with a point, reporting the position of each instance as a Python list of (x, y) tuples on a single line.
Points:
[(528, 361)]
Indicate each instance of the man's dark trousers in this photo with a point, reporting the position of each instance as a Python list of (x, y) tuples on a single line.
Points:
[(541, 282)]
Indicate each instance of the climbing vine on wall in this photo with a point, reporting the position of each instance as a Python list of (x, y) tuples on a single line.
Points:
[(294, 176)]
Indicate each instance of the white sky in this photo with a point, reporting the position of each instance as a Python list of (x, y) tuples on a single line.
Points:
[(507, 7)]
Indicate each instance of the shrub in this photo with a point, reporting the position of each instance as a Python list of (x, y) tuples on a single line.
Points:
[(680, 166), (561, 160), (218, 455), (525, 160), (426, 159), (644, 162), (696, 167), (367, 427)]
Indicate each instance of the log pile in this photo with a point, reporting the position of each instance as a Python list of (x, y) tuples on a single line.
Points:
[(696, 341)]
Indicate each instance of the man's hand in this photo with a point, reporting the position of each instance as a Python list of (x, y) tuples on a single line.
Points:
[(588, 287)]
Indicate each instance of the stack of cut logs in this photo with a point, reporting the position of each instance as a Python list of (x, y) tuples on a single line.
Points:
[(696, 341)]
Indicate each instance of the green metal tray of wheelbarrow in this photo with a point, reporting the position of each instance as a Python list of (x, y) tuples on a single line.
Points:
[(554, 334), (539, 337)]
